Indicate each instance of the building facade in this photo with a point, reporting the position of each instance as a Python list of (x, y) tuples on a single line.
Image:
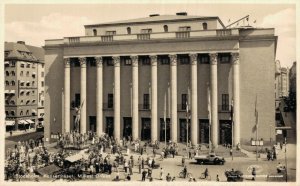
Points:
[(21, 84), (127, 76)]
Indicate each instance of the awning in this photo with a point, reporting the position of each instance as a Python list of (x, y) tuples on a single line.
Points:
[(6, 63), (33, 73), (9, 123), (6, 91), (12, 91), (29, 121), (22, 122)]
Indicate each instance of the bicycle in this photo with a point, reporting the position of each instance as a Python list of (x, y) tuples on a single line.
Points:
[(208, 177), (188, 174)]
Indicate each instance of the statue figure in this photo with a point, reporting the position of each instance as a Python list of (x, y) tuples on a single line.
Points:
[(77, 117)]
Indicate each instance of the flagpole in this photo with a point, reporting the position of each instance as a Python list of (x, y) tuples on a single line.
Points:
[(209, 117), (165, 105), (256, 122), (232, 129)]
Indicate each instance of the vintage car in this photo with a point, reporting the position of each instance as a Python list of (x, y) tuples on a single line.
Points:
[(234, 175), (211, 158)]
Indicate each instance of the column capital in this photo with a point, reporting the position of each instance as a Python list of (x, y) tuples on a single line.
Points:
[(173, 59), (67, 62), (116, 60), (99, 61), (82, 61), (235, 58), (213, 58), (153, 59), (193, 57), (134, 60)]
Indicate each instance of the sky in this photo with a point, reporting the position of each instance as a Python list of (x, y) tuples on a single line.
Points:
[(36, 23)]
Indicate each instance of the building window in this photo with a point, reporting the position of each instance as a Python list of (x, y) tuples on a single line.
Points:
[(13, 83), (146, 31), (110, 33), (12, 102), (183, 59), (22, 65), (42, 103), (184, 99), (144, 60), (127, 61), (33, 65), (164, 60), (33, 101), (128, 30), (94, 32), (91, 61), (12, 112), (22, 102), (27, 102), (203, 58), (22, 93), (27, 74), (13, 64), (27, 93), (27, 112), (6, 102), (225, 102), (108, 61), (184, 28), (166, 29), (110, 101), (6, 113), (43, 65), (28, 84), (7, 83), (42, 74), (13, 73), (33, 92), (204, 25), (6, 73), (22, 84), (42, 83), (146, 104), (224, 58), (28, 65), (21, 73)]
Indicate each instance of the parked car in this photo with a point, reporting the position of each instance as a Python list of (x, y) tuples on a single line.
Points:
[(211, 158)]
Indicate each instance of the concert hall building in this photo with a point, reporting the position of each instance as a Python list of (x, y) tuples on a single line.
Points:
[(129, 75)]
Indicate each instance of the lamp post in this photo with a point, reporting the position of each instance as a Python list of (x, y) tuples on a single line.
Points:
[(286, 174)]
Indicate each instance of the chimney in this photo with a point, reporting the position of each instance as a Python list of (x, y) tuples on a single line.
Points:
[(181, 13), (153, 15), (21, 42)]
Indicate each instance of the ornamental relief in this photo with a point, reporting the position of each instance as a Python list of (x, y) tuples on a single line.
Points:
[(213, 58), (235, 58), (153, 60), (82, 61), (116, 60), (134, 60), (193, 58), (173, 59), (67, 61), (99, 61)]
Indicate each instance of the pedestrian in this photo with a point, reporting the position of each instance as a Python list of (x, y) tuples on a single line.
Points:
[(10, 132), (253, 173), (154, 152), (161, 173), (190, 154), (149, 173), (143, 163), (182, 161), (230, 152), (168, 177), (144, 173), (217, 179), (153, 164)]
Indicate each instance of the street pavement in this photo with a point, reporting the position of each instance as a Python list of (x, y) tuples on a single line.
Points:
[(11, 141)]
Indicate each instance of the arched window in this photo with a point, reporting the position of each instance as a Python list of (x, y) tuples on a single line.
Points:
[(12, 102), (7, 83), (166, 29), (204, 25), (128, 30), (12, 113), (7, 73), (13, 83), (27, 112), (94, 32), (21, 113), (13, 73)]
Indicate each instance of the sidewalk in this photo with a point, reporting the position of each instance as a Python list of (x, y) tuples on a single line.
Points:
[(19, 132)]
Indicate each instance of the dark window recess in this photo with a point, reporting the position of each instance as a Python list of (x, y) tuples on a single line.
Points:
[(203, 58), (146, 104), (184, 99), (94, 32), (166, 29), (224, 58), (225, 102), (75, 62), (108, 61), (128, 30), (204, 25), (91, 61), (184, 59), (145, 60), (110, 101), (126, 61), (164, 60), (77, 100)]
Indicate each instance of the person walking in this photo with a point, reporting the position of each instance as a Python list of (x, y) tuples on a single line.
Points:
[(144, 173), (217, 179), (182, 161), (253, 173), (143, 163), (161, 173)]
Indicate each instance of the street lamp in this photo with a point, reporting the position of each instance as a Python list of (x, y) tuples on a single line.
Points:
[(286, 175)]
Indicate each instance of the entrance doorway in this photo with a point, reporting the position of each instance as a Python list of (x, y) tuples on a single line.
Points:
[(146, 129), (163, 129), (225, 132), (204, 131), (127, 127), (93, 123), (183, 130), (109, 126)]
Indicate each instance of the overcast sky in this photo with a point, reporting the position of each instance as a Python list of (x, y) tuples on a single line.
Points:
[(36, 23)]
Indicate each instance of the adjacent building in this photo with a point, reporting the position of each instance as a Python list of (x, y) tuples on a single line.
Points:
[(23, 65), (129, 77)]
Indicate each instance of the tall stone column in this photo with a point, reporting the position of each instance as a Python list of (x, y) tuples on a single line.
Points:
[(214, 98), (173, 80), (67, 87), (135, 97), (99, 95), (83, 103), (154, 131), (236, 97), (117, 98), (194, 100)]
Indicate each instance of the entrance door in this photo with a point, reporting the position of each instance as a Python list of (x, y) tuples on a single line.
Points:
[(127, 128), (204, 131), (146, 129), (93, 123), (225, 132), (183, 130), (163, 129), (109, 126)]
